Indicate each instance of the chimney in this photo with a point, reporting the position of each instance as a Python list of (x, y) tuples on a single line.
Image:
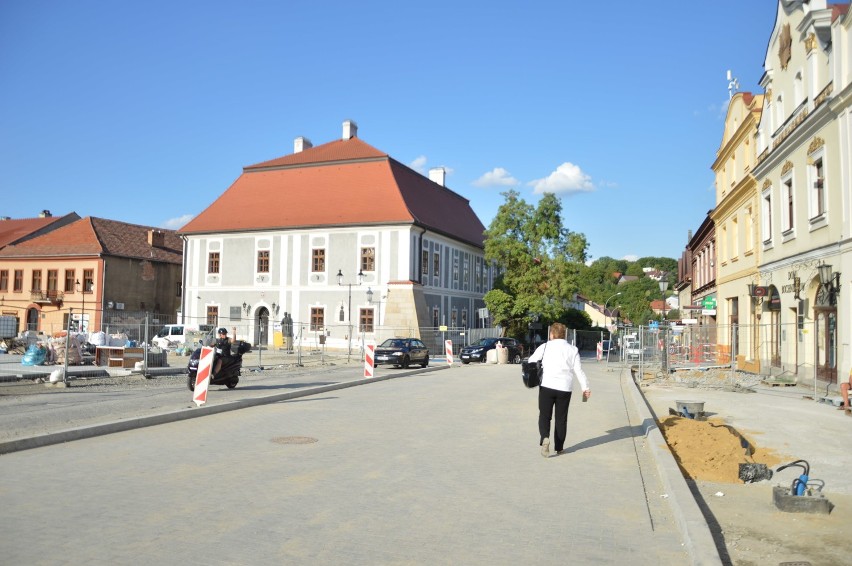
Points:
[(437, 175), (350, 129), (45, 214), (301, 144), (156, 238)]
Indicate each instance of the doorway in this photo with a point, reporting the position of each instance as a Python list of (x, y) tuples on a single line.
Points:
[(261, 327), (32, 319)]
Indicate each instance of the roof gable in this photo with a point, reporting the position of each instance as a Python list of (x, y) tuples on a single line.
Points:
[(13, 231), (97, 236), (335, 151), (342, 183)]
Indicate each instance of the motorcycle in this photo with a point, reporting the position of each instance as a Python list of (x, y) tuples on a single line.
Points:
[(228, 375)]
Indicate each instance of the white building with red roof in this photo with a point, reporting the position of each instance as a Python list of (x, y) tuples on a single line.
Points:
[(409, 251)]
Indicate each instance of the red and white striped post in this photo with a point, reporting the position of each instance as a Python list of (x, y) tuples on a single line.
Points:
[(202, 377), (600, 351), (448, 344), (369, 360)]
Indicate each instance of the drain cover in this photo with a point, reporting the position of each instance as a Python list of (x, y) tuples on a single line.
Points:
[(293, 440)]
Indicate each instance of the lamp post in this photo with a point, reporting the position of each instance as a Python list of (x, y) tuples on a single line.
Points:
[(341, 283), (664, 285), (606, 303)]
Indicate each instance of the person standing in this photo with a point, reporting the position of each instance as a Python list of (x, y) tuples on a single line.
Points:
[(560, 362)]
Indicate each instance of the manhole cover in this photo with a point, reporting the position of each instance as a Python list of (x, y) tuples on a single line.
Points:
[(293, 440)]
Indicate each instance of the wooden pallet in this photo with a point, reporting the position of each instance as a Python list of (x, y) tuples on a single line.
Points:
[(774, 383)]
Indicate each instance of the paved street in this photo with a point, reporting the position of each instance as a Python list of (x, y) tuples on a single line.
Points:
[(440, 467)]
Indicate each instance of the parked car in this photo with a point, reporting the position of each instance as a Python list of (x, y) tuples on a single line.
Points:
[(402, 352), (478, 351)]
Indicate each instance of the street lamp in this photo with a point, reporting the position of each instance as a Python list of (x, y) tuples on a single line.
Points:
[(606, 303), (340, 282)]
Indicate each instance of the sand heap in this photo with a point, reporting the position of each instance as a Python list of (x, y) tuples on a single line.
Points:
[(710, 450)]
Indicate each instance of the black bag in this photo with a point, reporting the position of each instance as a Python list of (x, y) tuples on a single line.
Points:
[(531, 372)]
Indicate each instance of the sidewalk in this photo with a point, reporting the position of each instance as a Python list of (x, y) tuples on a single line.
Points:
[(441, 466)]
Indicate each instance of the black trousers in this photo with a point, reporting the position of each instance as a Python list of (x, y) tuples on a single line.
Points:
[(547, 400)]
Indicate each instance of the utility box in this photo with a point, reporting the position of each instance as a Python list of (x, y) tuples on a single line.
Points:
[(8, 326)]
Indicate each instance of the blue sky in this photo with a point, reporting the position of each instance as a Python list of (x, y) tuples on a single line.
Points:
[(147, 112)]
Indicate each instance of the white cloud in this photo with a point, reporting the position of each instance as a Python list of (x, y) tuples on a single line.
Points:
[(568, 178), (179, 222), (498, 177), (419, 164), (631, 257)]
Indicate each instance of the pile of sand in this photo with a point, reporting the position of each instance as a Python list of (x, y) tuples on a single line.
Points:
[(710, 450)]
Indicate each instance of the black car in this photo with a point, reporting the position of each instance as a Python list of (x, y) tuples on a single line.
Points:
[(401, 352), (478, 351)]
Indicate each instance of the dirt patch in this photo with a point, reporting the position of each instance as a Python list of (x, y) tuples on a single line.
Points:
[(748, 528), (711, 450)]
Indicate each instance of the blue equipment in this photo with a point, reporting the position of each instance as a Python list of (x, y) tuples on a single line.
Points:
[(800, 484)]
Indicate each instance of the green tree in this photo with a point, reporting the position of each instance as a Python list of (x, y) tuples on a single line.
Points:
[(539, 260)]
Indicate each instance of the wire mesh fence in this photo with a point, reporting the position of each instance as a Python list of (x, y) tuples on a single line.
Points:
[(796, 352)]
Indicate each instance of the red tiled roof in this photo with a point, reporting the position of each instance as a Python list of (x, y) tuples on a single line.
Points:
[(341, 183), (14, 230), (339, 150), (97, 236)]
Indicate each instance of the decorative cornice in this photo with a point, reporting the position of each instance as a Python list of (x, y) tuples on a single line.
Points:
[(766, 184), (816, 144), (788, 166)]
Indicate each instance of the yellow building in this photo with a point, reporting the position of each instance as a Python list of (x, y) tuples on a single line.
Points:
[(736, 219)]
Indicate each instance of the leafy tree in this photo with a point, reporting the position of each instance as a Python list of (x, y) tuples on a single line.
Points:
[(540, 262)]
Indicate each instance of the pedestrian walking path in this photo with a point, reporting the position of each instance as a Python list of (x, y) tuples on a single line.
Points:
[(435, 467)]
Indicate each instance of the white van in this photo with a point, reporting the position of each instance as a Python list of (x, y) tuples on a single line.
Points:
[(174, 335)]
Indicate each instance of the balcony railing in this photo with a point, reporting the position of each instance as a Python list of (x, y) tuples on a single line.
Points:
[(51, 296)]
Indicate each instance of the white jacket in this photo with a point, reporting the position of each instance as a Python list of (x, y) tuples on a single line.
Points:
[(561, 364)]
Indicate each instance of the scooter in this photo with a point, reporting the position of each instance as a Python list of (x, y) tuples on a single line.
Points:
[(228, 375)]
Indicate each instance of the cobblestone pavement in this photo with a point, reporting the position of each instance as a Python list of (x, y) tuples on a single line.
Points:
[(423, 467)]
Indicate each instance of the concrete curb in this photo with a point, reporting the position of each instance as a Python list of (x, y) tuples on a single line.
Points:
[(696, 532), (190, 412)]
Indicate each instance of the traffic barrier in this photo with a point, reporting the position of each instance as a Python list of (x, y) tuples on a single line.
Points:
[(448, 344), (369, 360), (202, 377)]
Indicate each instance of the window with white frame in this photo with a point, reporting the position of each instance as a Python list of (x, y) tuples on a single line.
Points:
[(317, 319), (766, 216), (749, 227), (368, 259), (787, 202), (734, 238), (455, 269), (816, 197)]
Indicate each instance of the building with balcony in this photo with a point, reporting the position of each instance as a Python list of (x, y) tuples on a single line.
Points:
[(79, 273), (803, 173)]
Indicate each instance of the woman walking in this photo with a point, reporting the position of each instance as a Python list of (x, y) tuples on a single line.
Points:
[(560, 362)]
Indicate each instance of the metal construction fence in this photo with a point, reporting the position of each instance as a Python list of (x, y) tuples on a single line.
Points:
[(792, 352)]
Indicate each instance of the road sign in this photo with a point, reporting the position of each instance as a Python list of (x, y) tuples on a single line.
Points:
[(202, 376), (369, 360)]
